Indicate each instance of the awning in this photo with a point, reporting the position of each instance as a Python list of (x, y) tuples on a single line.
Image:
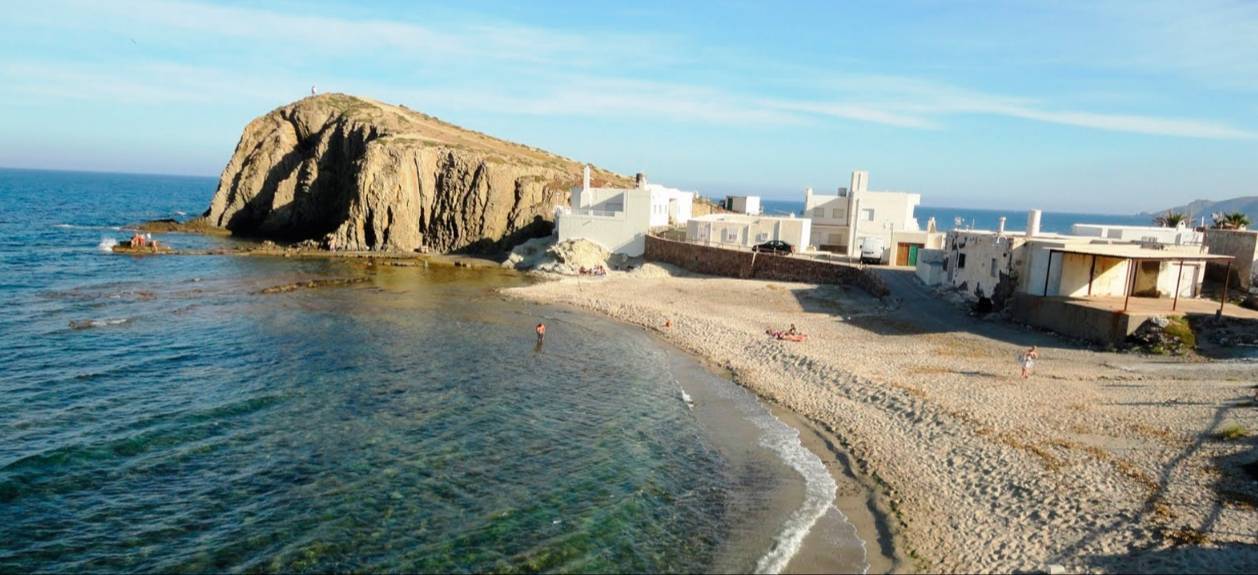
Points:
[(1129, 252)]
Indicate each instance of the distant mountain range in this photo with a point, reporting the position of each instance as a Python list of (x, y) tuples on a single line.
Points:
[(1199, 208)]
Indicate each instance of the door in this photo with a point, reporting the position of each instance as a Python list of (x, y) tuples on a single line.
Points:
[(901, 254), (913, 255), (1146, 284)]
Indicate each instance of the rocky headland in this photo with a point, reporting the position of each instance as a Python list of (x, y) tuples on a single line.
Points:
[(352, 174)]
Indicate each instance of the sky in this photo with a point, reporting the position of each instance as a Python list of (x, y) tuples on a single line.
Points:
[(1099, 106)]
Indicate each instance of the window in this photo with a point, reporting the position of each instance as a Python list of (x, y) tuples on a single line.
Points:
[(993, 267), (730, 235), (818, 212), (867, 215), (834, 213), (762, 237), (960, 261)]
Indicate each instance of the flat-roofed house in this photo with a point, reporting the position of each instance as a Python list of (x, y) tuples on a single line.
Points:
[(841, 222), (619, 218), (744, 231)]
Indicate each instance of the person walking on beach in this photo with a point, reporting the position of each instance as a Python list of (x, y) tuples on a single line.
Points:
[(1028, 360), (541, 332)]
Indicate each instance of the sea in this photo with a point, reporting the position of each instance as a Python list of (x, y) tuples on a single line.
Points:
[(947, 219), (171, 414)]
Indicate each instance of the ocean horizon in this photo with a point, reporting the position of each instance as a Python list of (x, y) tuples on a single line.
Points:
[(946, 217), (952, 218)]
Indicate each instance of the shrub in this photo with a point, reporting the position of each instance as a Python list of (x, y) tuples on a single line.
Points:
[(1178, 327), (1231, 432)]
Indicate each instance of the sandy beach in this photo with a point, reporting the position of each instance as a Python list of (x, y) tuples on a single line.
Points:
[(1099, 462)]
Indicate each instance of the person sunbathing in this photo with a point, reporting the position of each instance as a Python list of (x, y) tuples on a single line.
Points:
[(789, 335)]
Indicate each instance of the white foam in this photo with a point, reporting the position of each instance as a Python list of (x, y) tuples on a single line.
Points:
[(819, 486), (90, 323), (107, 244), (819, 491)]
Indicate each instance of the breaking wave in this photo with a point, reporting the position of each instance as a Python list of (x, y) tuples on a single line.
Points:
[(91, 323), (79, 227), (107, 244), (819, 490)]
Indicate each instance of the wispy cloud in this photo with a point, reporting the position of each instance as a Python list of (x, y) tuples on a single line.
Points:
[(518, 69), (921, 104), (872, 113), (1134, 124)]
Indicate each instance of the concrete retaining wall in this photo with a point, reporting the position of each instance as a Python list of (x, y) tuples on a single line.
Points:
[(1095, 325), (749, 265), (1242, 245)]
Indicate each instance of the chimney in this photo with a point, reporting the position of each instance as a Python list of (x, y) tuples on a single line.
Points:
[(1000, 230), (640, 179), (1033, 223), (585, 179)]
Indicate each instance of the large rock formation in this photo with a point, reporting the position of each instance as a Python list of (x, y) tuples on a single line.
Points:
[(356, 174)]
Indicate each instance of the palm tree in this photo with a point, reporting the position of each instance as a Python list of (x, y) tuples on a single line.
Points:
[(1231, 221), (1170, 220)]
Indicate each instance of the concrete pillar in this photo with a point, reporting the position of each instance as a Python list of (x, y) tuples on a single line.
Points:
[(1033, 223), (853, 222), (585, 178), (860, 181)]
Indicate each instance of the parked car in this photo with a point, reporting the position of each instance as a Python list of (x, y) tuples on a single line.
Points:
[(774, 247), (872, 249)]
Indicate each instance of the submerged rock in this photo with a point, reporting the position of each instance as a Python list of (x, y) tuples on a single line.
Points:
[(356, 174)]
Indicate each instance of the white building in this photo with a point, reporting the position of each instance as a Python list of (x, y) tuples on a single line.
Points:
[(744, 231), (842, 221), (997, 264), (1180, 235), (619, 218), (749, 205)]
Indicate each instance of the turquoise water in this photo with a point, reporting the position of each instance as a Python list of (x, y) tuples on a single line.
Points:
[(162, 414)]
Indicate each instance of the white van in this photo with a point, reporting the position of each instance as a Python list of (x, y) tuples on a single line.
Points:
[(872, 248)]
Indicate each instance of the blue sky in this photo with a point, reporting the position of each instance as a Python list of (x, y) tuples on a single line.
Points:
[(1096, 106)]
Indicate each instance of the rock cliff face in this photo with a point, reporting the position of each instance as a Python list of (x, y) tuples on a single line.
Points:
[(355, 174)]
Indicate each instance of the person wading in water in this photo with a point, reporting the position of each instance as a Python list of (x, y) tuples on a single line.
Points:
[(541, 332)]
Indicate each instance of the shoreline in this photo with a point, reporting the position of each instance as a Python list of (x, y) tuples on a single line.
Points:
[(1100, 462), (858, 497)]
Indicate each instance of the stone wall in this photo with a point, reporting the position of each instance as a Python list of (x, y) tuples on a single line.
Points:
[(1057, 314), (1240, 244), (749, 265)]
